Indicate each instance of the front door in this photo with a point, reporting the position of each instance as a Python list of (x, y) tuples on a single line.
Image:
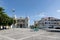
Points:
[(20, 25)]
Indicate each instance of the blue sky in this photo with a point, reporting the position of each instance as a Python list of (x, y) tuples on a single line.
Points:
[(35, 9)]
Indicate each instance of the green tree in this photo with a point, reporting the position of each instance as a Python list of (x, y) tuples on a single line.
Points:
[(4, 18)]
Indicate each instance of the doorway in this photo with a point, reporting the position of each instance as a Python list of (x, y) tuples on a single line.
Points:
[(21, 25)]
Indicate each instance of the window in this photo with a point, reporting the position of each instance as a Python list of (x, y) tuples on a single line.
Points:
[(46, 22)]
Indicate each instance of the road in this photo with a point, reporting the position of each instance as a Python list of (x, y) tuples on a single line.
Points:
[(28, 34)]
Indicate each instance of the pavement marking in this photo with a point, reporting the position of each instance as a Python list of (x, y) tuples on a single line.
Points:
[(6, 37), (50, 36), (40, 35), (34, 34), (29, 36)]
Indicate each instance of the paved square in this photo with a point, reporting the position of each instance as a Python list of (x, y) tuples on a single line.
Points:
[(28, 34)]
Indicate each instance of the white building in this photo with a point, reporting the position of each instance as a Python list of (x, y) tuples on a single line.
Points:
[(22, 22), (48, 22)]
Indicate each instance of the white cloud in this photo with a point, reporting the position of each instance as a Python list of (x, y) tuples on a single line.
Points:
[(58, 10), (40, 15)]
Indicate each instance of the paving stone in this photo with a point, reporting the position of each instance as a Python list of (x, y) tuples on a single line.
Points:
[(28, 34)]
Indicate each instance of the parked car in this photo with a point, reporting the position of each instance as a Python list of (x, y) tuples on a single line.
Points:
[(57, 28), (2, 27)]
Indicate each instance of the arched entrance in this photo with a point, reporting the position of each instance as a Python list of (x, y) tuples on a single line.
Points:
[(21, 25)]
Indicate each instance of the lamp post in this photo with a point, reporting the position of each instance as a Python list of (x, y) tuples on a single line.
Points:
[(13, 10)]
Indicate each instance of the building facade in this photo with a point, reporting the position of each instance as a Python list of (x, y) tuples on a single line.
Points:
[(22, 22), (48, 22)]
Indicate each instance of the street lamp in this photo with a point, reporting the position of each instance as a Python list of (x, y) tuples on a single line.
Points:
[(13, 10), (14, 18)]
